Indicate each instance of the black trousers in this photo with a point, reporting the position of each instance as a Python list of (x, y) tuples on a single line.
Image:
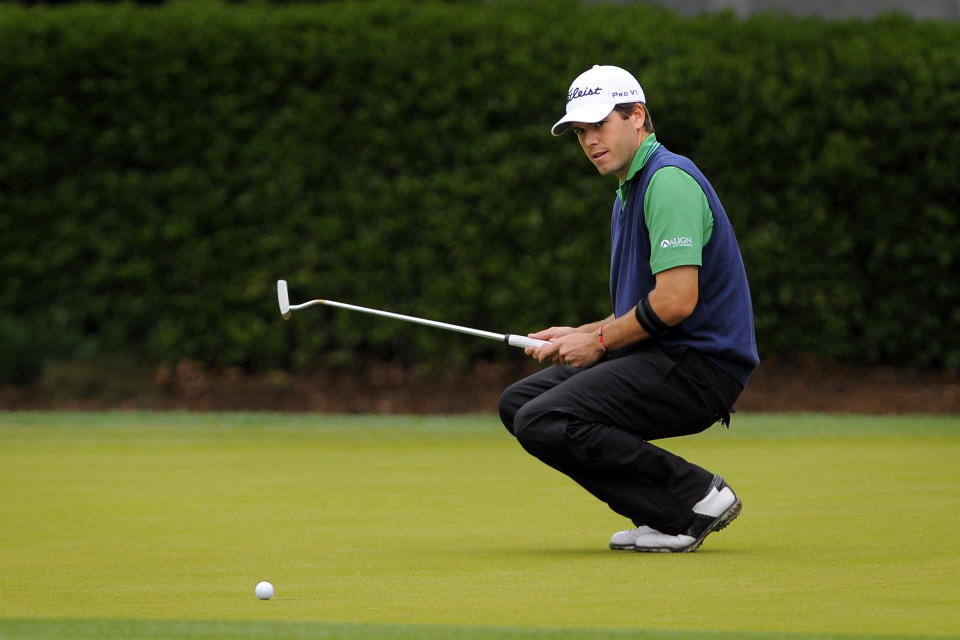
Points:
[(596, 424)]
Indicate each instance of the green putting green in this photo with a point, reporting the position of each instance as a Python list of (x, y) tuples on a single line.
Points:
[(159, 525)]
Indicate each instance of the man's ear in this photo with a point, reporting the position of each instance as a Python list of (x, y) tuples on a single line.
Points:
[(640, 116)]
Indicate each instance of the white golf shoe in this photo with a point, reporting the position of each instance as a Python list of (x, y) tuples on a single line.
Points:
[(716, 510), (663, 542), (627, 540)]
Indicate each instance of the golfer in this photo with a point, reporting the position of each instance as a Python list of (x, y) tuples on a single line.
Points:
[(673, 356)]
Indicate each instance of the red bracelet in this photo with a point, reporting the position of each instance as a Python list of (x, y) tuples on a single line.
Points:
[(600, 335)]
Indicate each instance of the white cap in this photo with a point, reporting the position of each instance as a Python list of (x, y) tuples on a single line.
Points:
[(594, 94)]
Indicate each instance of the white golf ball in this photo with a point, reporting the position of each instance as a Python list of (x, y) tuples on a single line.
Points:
[(264, 590)]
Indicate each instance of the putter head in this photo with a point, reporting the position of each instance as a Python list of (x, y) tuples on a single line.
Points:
[(283, 298)]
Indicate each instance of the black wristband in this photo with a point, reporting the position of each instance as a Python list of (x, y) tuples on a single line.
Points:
[(649, 320)]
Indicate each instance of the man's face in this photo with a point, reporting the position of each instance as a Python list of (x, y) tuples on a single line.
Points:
[(611, 143)]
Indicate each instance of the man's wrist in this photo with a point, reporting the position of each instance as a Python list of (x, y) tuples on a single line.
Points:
[(603, 346)]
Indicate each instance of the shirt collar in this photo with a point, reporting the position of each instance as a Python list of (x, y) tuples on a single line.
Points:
[(646, 149)]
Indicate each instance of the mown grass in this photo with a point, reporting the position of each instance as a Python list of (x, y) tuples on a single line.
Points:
[(159, 525)]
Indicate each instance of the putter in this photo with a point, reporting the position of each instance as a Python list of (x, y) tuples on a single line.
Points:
[(513, 340)]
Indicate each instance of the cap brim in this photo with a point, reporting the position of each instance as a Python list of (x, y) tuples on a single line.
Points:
[(587, 114)]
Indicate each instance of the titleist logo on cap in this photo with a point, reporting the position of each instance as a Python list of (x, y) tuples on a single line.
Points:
[(577, 92)]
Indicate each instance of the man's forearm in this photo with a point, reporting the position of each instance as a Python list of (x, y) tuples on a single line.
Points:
[(621, 332), (594, 326)]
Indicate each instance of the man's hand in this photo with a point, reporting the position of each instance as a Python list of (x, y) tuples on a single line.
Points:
[(551, 333), (566, 345), (548, 335), (673, 300)]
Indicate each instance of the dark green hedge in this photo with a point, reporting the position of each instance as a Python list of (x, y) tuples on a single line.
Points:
[(161, 168)]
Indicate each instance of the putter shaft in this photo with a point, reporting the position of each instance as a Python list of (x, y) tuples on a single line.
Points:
[(511, 339)]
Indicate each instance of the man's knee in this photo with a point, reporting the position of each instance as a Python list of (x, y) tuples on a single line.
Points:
[(539, 432), (526, 419), (511, 400), (529, 389)]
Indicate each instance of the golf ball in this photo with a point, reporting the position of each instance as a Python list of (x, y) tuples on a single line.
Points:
[(264, 590)]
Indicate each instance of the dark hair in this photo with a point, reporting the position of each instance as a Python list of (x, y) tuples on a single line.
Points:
[(626, 108)]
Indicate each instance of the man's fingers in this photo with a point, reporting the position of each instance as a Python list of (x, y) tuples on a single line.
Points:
[(551, 333), (545, 352)]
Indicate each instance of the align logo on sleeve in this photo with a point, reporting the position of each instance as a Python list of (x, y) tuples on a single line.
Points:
[(676, 243)]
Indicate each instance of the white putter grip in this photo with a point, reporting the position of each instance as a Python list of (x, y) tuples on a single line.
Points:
[(524, 341)]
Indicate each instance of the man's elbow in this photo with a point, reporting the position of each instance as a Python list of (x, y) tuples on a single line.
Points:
[(674, 307), (680, 309)]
